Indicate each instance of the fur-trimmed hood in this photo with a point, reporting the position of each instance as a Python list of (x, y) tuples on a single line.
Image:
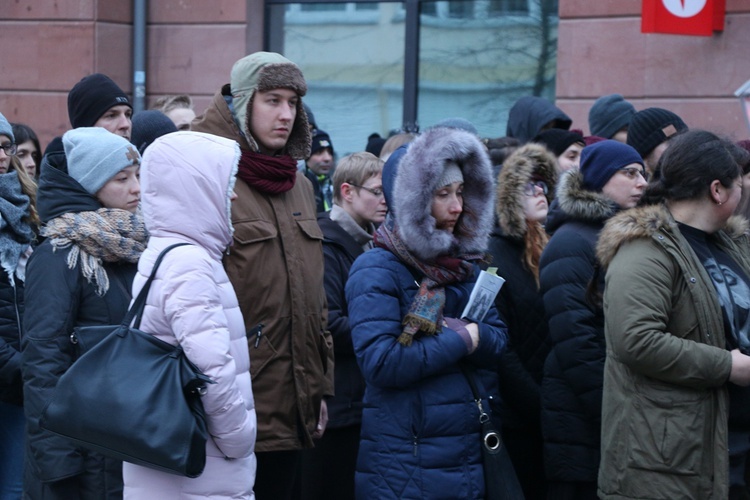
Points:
[(416, 179), (645, 222), (578, 203), (531, 160)]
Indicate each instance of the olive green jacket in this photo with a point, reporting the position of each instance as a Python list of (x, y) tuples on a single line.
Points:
[(665, 406)]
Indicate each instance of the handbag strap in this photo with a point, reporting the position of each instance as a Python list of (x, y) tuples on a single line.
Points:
[(136, 309), (483, 415)]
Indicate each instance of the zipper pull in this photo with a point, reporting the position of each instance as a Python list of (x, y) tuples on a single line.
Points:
[(415, 446), (258, 333)]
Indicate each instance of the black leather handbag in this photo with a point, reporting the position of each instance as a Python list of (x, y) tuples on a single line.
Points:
[(500, 480), (133, 397)]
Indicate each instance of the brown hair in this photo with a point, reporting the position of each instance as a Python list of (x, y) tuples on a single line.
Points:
[(534, 240), (28, 187)]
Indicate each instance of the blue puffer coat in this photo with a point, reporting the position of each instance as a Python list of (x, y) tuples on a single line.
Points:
[(420, 425)]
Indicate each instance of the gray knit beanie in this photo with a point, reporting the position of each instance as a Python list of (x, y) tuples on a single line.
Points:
[(5, 128), (452, 173), (609, 114), (95, 156)]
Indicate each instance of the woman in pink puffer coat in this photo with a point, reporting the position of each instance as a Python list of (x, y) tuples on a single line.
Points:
[(187, 181)]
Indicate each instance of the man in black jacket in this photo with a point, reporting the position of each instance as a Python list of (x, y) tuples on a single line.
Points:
[(358, 207)]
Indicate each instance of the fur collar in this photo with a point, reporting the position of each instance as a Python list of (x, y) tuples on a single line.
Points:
[(531, 159), (645, 222), (416, 180), (580, 203)]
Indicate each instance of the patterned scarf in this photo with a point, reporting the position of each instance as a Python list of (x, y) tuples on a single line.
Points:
[(426, 310), (15, 232), (268, 174), (107, 234)]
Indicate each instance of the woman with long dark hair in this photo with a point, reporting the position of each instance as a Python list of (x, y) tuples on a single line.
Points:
[(676, 306)]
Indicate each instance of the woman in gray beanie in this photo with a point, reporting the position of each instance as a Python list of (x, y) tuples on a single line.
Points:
[(80, 275)]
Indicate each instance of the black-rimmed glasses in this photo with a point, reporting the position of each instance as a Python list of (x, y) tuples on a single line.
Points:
[(9, 148)]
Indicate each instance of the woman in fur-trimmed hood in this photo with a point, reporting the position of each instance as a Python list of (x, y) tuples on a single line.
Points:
[(610, 179), (675, 304), (524, 190), (420, 425)]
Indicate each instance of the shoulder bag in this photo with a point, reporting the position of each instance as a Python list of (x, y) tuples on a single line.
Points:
[(500, 480), (133, 397)]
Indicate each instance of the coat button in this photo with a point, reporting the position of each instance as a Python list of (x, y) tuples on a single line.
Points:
[(692, 280), (660, 237)]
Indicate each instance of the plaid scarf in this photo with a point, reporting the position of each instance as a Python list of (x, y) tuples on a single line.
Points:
[(426, 310), (107, 234)]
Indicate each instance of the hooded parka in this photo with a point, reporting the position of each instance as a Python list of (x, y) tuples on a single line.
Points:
[(187, 180), (572, 382), (276, 267), (420, 424), (665, 406)]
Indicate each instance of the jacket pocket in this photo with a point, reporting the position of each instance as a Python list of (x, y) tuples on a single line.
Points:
[(253, 231), (262, 352), (668, 429), (310, 228)]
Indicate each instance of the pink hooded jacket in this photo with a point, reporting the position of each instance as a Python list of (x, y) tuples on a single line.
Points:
[(186, 182)]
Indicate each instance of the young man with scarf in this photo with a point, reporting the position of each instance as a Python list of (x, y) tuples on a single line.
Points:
[(276, 263)]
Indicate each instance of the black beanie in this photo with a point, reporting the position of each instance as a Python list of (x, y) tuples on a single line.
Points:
[(558, 140), (320, 140), (652, 126), (92, 97), (149, 126), (375, 144)]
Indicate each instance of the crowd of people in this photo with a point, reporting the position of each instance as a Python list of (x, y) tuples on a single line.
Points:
[(325, 297)]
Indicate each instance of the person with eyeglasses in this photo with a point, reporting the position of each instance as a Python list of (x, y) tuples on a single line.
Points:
[(676, 406), (609, 180), (516, 244), (358, 209), (17, 237)]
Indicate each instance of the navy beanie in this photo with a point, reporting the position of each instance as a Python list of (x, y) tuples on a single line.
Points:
[(320, 140), (90, 98), (609, 114), (651, 127), (149, 126), (389, 174), (602, 160)]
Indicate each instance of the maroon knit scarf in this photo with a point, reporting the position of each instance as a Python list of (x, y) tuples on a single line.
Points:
[(268, 174)]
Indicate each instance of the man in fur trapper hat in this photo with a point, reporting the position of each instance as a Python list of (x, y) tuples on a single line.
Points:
[(276, 263)]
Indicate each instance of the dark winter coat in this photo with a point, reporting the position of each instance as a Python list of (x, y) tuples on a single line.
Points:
[(529, 114), (665, 407), (572, 384), (11, 313), (320, 204), (340, 250), (57, 300), (420, 425), (520, 303)]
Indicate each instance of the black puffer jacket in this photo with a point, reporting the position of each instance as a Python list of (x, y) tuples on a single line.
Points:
[(573, 372), (340, 250), (520, 302), (57, 300)]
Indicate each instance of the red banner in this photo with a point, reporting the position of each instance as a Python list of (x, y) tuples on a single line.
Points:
[(683, 17)]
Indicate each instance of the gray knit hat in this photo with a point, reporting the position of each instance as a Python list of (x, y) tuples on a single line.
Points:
[(609, 114), (95, 156), (5, 128)]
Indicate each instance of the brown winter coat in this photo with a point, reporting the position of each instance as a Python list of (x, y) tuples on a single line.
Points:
[(276, 267), (665, 406)]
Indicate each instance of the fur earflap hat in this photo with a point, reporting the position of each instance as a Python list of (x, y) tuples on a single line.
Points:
[(530, 162), (419, 174), (90, 98), (264, 71)]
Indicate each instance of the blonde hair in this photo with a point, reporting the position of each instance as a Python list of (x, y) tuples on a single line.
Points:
[(167, 103), (394, 142), (355, 169)]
